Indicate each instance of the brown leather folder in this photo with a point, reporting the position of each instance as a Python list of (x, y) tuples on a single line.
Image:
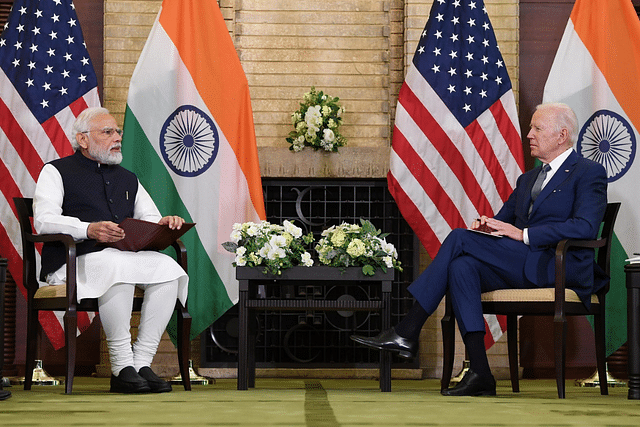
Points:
[(147, 236)]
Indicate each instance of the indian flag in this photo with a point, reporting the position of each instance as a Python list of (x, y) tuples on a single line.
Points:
[(596, 71), (189, 136)]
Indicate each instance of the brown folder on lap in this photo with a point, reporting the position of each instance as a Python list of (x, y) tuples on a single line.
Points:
[(147, 236)]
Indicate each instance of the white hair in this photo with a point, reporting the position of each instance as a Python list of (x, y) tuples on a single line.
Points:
[(564, 118), (83, 123)]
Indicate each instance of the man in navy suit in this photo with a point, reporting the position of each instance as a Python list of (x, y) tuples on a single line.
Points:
[(563, 198)]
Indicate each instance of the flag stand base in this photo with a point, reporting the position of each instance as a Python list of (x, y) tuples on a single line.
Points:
[(40, 377), (462, 373), (194, 378), (594, 381)]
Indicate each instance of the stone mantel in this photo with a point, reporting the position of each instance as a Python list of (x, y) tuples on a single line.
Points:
[(349, 162)]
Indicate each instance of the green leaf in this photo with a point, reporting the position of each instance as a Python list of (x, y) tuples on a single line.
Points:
[(368, 270)]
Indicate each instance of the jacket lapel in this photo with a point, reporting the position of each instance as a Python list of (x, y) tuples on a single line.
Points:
[(559, 177)]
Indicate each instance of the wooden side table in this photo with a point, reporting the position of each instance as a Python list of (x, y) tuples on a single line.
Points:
[(632, 272), (251, 277)]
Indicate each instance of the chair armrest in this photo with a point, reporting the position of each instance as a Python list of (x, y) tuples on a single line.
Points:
[(70, 249), (181, 254), (561, 251)]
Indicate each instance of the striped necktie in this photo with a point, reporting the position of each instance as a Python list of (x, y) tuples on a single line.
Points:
[(537, 186)]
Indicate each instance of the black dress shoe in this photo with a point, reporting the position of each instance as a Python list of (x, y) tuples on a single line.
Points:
[(5, 394), (157, 384), (472, 384), (389, 340), (128, 381)]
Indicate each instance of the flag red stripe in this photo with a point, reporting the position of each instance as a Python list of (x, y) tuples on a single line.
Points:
[(509, 132), (57, 137), (78, 106), (483, 146), (8, 187), (427, 180), (51, 325), (14, 260), (20, 141), (413, 216), (445, 147), (488, 338)]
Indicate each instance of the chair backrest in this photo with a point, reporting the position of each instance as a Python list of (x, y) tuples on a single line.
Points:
[(604, 254), (24, 208)]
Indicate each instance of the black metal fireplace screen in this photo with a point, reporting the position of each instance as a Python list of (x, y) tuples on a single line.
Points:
[(321, 339)]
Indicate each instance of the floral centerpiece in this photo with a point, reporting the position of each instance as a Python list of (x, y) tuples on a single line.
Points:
[(349, 245), (274, 247), (317, 123)]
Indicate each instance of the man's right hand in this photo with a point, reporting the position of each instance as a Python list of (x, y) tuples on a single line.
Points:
[(105, 232)]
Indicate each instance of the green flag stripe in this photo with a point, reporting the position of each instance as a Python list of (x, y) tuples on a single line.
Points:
[(208, 297)]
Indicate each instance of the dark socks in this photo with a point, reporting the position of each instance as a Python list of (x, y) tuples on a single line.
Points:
[(478, 362), (410, 326)]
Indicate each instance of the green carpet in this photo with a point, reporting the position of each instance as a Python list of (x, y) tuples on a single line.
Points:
[(305, 402)]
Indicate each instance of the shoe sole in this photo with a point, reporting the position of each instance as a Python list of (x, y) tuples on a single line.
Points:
[(402, 353)]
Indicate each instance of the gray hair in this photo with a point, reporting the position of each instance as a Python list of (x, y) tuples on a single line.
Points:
[(83, 123), (564, 118)]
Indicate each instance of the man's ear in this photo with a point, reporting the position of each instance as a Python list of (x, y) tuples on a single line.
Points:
[(564, 136), (83, 140)]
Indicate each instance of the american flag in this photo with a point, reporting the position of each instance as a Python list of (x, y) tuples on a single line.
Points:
[(46, 80), (457, 150)]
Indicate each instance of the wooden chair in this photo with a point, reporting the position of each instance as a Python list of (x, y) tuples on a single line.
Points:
[(63, 298), (558, 302)]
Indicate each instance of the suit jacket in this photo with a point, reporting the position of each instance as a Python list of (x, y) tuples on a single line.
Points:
[(570, 206)]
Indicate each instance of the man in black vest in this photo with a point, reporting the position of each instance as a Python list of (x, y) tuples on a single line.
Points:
[(86, 195)]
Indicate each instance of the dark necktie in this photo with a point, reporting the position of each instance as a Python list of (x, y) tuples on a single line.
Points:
[(537, 186)]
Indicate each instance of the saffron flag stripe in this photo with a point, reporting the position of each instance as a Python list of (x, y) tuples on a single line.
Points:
[(216, 58)]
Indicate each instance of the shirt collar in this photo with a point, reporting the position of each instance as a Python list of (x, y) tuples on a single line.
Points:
[(558, 161)]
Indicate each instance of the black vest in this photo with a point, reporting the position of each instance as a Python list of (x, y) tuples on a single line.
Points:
[(92, 192)]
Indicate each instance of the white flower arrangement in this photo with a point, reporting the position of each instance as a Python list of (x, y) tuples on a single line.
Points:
[(274, 247), (349, 245), (317, 123)]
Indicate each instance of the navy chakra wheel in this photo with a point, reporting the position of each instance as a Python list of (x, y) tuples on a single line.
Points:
[(609, 139), (189, 141)]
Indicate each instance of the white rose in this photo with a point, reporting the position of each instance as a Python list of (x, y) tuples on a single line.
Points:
[(306, 259), (328, 135)]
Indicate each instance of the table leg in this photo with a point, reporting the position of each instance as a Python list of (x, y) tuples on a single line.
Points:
[(243, 326), (385, 356), (633, 338)]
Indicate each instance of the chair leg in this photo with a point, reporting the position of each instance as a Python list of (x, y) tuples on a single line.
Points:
[(448, 323), (560, 350), (70, 320), (184, 346), (599, 329), (32, 345), (512, 345)]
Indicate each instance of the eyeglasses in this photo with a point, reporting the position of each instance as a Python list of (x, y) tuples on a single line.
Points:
[(108, 132)]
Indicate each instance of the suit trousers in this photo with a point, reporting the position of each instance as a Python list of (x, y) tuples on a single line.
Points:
[(115, 314), (467, 264)]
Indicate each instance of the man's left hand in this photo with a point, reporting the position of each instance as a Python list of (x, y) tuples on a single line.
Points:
[(173, 221), (504, 229)]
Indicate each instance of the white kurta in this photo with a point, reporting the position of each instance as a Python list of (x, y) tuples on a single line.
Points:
[(98, 271)]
